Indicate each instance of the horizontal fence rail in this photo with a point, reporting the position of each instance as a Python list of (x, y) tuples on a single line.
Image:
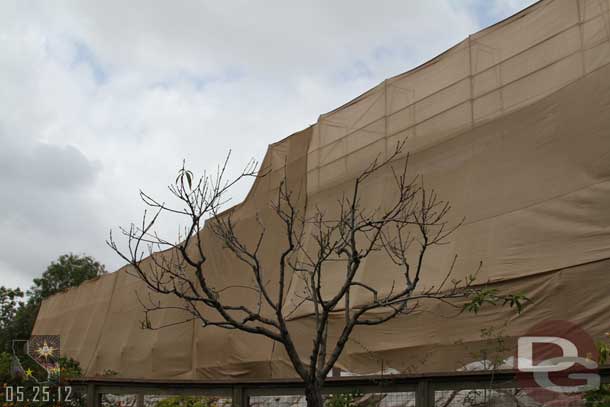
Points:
[(416, 390)]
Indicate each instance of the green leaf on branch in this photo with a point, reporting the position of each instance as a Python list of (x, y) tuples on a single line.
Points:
[(490, 296), (480, 297), (516, 301), (183, 174)]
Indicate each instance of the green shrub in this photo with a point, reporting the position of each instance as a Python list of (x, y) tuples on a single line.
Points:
[(601, 397), (188, 401), (343, 399)]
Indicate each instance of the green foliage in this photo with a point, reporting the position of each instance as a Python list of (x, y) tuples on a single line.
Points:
[(5, 367), (9, 307), (17, 320), (490, 296), (69, 270), (184, 174), (515, 301), (495, 347), (343, 399), (600, 397), (20, 327), (69, 368), (188, 401), (9, 301), (603, 349)]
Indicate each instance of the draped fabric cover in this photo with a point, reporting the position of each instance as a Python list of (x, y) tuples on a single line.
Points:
[(512, 126)]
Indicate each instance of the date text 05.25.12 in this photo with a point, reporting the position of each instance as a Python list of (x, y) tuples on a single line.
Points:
[(35, 394)]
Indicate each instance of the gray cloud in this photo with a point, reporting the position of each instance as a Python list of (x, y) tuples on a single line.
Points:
[(45, 166), (46, 202)]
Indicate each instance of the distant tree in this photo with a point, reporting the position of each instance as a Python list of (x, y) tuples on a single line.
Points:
[(10, 300), (69, 270), (405, 230), (17, 318), (20, 327)]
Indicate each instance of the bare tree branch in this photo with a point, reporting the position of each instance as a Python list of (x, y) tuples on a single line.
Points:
[(410, 221)]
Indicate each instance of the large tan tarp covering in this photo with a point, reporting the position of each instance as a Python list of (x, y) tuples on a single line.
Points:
[(512, 126)]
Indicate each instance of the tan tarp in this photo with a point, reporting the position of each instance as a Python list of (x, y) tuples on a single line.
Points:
[(512, 126)]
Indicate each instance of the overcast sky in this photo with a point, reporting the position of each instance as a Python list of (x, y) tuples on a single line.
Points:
[(101, 98)]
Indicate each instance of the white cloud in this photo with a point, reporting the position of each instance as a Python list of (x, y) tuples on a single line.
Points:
[(101, 98)]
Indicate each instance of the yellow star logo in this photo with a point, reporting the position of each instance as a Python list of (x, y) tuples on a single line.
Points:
[(45, 350), (28, 373)]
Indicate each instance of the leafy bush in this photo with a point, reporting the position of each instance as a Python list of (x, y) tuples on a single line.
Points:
[(343, 399), (188, 401), (601, 397), (5, 367)]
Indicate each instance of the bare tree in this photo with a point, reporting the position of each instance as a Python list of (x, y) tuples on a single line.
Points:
[(404, 230)]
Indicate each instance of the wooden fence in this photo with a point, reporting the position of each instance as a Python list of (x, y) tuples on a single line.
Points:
[(477, 388)]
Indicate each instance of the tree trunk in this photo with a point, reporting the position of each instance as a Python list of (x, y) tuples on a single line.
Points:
[(313, 395)]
